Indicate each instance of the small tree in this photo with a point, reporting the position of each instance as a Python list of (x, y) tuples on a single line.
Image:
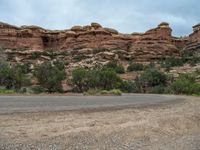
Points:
[(149, 79), (109, 79), (153, 77), (79, 79), (12, 77), (6, 75), (93, 79), (50, 77)]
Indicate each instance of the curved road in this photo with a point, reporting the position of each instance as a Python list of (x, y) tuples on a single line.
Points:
[(12, 104)]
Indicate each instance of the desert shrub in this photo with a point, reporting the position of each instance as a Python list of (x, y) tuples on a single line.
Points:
[(98, 92), (109, 79), (59, 64), (120, 69), (92, 92), (50, 77), (35, 55), (6, 75), (25, 68), (159, 89), (20, 79), (93, 79), (185, 84), (153, 77), (105, 78), (128, 87), (115, 92), (117, 68), (112, 64), (12, 78), (185, 87), (38, 89), (135, 67), (194, 60), (149, 79), (79, 79), (173, 62), (151, 65)]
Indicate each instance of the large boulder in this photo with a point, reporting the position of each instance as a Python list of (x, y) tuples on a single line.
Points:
[(77, 28), (113, 31), (96, 25)]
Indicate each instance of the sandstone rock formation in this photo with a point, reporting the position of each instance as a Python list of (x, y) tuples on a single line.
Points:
[(154, 44), (93, 44), (192, 46)]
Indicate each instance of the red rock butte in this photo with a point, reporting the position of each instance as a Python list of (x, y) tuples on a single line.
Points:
[(151, 45)]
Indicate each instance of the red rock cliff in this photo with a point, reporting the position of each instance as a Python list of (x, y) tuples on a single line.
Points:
[(151, 45)]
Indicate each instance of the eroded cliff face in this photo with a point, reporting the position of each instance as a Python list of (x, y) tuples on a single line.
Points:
[(93, 43), (192, 47), (155, 44), (36, 38)]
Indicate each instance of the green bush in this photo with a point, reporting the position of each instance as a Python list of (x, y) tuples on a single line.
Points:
[(12, 77), (105, 78), (128, 87), (159, 89), (135, 67), (35, 55), (109, 79), (120, 69), (93, 79), (153, 77), (173, 62), (185, 84), (150, 78), (112, 65), (50, 77), (7, 75), (38, 90), (194, 60), (59, 64), (80, 79), (117, 68), (25, 68)]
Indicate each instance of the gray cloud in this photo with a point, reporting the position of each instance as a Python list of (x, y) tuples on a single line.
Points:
[(127, 16)]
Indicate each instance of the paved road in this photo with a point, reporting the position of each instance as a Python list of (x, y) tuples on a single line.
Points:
[(11, 104)]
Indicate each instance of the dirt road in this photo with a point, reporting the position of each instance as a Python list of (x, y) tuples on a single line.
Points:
[(169, 126)]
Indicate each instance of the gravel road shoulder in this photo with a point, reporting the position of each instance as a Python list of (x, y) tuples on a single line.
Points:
[(166, 127)]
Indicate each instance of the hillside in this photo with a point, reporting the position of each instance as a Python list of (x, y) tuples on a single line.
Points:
[(94, 46)]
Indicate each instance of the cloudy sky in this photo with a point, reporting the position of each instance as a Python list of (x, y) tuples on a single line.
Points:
[(125, 15)]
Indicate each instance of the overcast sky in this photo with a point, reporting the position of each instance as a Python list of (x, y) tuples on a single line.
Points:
[(127, 16)]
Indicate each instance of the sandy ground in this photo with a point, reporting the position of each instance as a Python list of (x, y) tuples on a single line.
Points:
[(165, 127)]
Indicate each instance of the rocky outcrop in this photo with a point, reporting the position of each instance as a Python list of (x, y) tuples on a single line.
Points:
[(193, 44), (154, 44), (93, 43)]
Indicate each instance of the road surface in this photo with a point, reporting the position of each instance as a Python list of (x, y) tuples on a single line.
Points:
[(12, 104)]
